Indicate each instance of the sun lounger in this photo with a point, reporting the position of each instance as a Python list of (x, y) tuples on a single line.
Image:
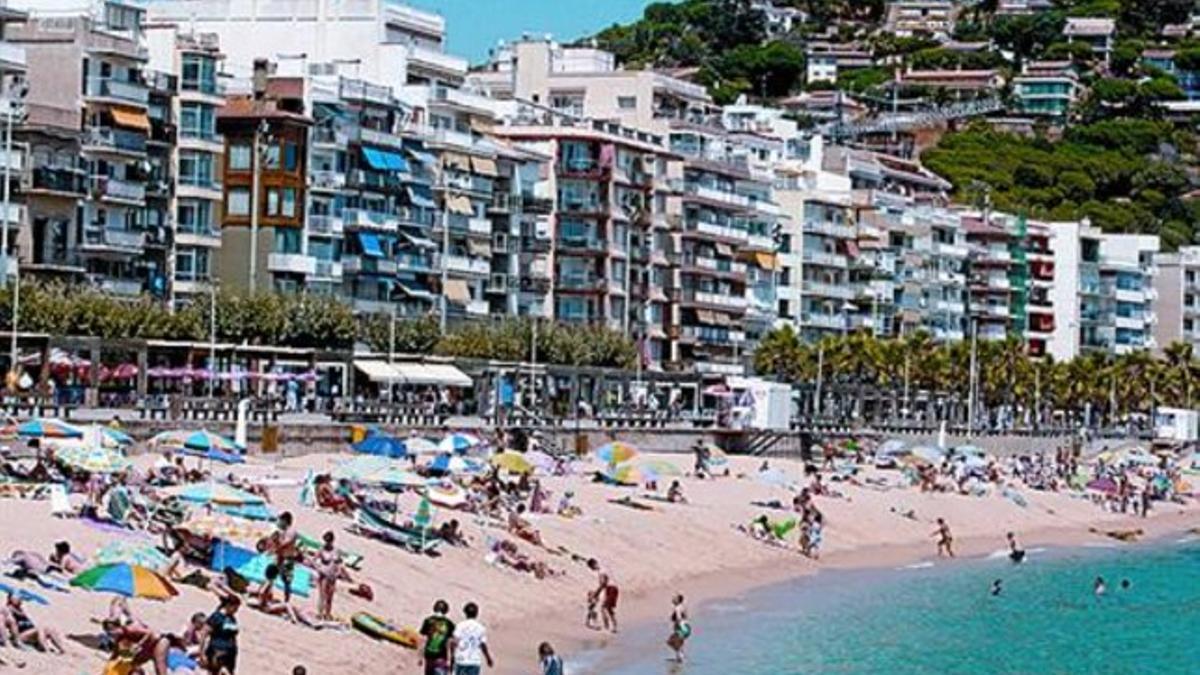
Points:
[(418, 541)]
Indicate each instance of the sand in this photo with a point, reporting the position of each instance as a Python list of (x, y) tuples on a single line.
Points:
[(693, 548)]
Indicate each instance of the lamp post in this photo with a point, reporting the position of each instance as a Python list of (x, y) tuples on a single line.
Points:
[(212, 336), (973, 376), (257, 157), (11, 109)]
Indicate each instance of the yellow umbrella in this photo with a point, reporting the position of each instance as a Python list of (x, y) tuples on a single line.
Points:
[(513, 462)]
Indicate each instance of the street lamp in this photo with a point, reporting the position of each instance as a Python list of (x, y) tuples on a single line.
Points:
[(212, 336), (258, 156), (13, 103)]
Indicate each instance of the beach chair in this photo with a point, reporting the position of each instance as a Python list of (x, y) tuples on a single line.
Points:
[(372, 525)]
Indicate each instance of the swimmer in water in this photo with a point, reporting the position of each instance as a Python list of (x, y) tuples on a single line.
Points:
[(1125, 584), (1015, 552), (1098, 587), (997, 587)]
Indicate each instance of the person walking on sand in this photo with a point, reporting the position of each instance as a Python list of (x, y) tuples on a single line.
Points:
[(468, 646), (607, 593), (945, 544), (437, 630), (548, 661), (285, 544), (681, 628), (1015, 552)]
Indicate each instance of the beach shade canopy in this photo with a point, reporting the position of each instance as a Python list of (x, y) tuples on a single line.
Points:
[(423, 518), (381, 445), (93, 460), (198, 440), (24, 595), (253, 566), (540, 460), (447, 494), (131, 581), (225, 526), (626, 474), (660, 468), (928, 453), (446, 463), (394, 477), (512, 462), (616, 452), (214, 493), (214, 455), (142, 554), (114, 437), (48, 428), (458, 443)]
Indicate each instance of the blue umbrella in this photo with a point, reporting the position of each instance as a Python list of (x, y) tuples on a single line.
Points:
[(383, 446), (446, 463), (213, 454), (116, 436), (27, 596), (458, 443)]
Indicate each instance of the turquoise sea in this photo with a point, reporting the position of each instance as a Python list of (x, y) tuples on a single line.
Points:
[(943, 619)]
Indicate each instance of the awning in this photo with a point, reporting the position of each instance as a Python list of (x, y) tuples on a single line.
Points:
[(704, 316), (377, 371), (131, 119), (720, 319), (460, 205), (422, 157), (479, 248), (851, 248), (439, 374), (382, 160), (453, 160), (414, 292), (765, 260), (484, 166), (456, 291), (370, 244), (419, 242), (724, 249), (422, 196)]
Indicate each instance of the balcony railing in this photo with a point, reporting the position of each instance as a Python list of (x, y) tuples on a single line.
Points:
[(293, 263), (123, 190), (115, 139), (103, 237), (130, 92), (328, 180), (829, 229), (826, 259), (827, 321), (715, 230), (718, 195), (715, 299), (825, 290), (58, 180), (326, 224), (717, 265), (328, 269), (465, 265)]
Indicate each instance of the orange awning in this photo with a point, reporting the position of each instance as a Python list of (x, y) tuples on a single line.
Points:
[(485, 167), (460, 205), (765, 260), (456, 291), (131, 119)]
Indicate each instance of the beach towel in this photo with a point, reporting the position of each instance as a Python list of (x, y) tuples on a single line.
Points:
[(253, 566)]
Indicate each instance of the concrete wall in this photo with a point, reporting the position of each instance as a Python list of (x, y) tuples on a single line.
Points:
[(1168, 305)]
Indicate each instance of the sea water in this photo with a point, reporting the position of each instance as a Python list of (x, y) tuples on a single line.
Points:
[(944, 619)]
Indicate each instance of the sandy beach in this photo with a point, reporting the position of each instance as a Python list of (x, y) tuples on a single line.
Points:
[(693, 548)]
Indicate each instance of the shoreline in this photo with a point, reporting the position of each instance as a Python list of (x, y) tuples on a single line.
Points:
[(642, 609)]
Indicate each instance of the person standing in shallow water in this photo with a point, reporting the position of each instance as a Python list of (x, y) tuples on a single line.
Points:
[(945, 543), (681, 627)]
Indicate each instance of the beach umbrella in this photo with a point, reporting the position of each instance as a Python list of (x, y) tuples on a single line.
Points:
[(419, 445), (928, 454), (540, 460), (970, 451), (626, 474), (214, 493), (717, 456), (26, 596), (659, 468), (114, 437), (774, 477), (512, 462), (423, 518), (131, 581), (132, 552), (445, 463), (199, 440), (355, 468), (458, 443), (894, 446), (225, 526), (93, 460), (381, 446), (616, 452), (48, 428), (446, 494), (394, 477), (214, 455)]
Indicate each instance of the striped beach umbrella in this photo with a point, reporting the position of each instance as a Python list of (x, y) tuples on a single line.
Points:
[(93, 460), (447, 463), (458, 443), (131, 581), (660, 468), (616, 452), (141, 554), (214, 493), (48, 428)]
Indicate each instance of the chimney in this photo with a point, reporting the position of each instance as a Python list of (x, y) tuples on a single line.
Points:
[(261, 67)]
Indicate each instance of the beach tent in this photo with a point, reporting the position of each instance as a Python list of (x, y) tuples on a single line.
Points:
[(253, 566)]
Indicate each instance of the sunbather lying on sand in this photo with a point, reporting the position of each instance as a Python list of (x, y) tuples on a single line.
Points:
[(506, 553), (1119, 535)]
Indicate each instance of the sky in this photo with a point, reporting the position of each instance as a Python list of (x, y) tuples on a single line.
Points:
[(474, 26)]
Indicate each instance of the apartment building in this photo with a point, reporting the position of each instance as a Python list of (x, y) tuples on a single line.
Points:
[(825, 61), (16, 160), (263, 246), (1176, 300), (1098, 33), (387, 43), (88, 128), (1127, 273), (1046, 88), (907, 18)]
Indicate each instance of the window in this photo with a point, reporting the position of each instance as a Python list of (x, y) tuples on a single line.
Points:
[(197, 120), (237, 202), (270, 156), (239, 157), (194, 216), (291, 156), (287, 240), (199, 74), (627, 102), (281, 202)]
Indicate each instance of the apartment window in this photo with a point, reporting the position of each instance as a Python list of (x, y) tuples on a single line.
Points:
[(1191, 277), (281, 202), (196, 169), (197, 120), (627, 102), (270, 156), (1187, 325), (199, 73), (239, 157), (192, 264), (287, 240), (237, 202), (194, 216), (291, 156)]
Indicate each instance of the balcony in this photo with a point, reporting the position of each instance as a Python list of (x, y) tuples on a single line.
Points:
[(407, 262), (327, 180), (423, 57), (478, 308), (731, 302), (760, 242), (824, 290), (1135, 295), (115, 286), (382, 182), (717, 265), (355, 264), (712, 335), (826, 259), (120, 141), (712, 194), (464, 265), (579, 281), (950, 250), (951, 306), (569, 244), (479, 226), (62, 181), (326, 225), (292, 263), (369, 220), (198, 235), (15, 215), (100, 239), (829, 229), (107, 89), (537, 205), (328, 269), (824, 321), (721, 231), (13, 160), (117, 190), (952, 278)]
